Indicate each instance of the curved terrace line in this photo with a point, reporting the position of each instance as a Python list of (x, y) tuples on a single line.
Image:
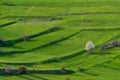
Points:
[(13, 42), (94, 13), (62, 58), (7, 24), (43, 46)]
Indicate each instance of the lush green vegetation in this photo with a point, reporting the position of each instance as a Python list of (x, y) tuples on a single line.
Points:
[(58, 31)]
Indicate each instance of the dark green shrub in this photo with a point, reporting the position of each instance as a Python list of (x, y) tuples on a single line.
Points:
[(63, 70), (25, 38), (67, 78), (22, 70), (80, 69)]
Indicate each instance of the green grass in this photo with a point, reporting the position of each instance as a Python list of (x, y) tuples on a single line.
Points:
[(79, 21)]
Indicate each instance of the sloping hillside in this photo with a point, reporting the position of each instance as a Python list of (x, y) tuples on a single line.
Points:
[(47, 35)]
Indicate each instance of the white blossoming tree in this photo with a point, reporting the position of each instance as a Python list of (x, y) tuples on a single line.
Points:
[(89, 46)]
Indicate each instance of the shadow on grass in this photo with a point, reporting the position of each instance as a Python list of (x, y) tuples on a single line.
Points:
[(59, 59), (13, 42), (9, 23), (92, 74), (30, 72), (55, 72), (41, 46)]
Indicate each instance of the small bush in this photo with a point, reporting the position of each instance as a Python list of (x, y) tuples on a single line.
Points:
[(22, 70), (54, 28), (63, 71), (80, 69), (25, 38), (9, 71), (111, 44)]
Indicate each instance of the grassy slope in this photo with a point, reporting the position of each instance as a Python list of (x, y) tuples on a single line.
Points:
[(80, 20)]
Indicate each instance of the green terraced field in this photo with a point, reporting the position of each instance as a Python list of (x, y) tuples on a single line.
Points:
[(58, 31)]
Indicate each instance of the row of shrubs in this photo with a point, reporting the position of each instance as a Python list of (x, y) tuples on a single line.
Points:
[(110, 44), (10, 70), (23, 70), (90, 46)]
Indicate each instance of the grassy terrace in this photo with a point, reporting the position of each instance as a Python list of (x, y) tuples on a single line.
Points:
[(58, 32)]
